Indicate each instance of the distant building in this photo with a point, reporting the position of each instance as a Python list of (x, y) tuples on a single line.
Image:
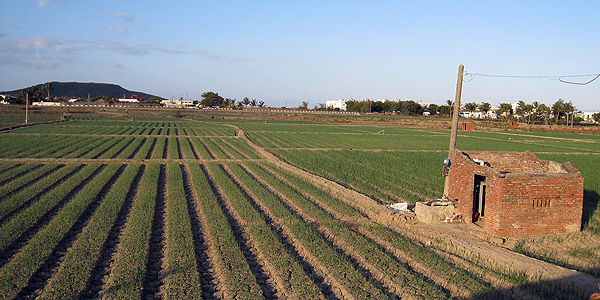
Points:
[(46, 104), (339, 104), (7, 99), (129, 100), (490, 114), (588, 116), (179, 103)]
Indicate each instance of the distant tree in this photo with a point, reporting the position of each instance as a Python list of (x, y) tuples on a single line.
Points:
[(411, 107), (520, 110), (450, 105), (544, 110), (47, 87), (211, 99), (246, 101), (261, 103), (471, 106), (34, 93), (229, 102), (558, 110), (484, 107), (505, 109), (304, 105), (154, 100), (433, 109), (570, 110), (253, 103), (596, 117)]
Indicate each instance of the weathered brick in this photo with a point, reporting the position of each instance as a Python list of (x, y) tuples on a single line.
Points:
[(522, 197)]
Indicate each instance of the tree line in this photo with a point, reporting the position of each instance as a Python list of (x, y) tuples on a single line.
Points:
[(561, 112), (212, 99)]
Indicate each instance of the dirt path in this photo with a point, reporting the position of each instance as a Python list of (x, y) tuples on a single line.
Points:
[(458, 239)]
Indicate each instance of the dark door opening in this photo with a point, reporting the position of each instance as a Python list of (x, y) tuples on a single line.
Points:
[(479, 187)]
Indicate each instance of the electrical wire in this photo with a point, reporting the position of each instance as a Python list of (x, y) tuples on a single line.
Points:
[(579, 83), (558, 77)]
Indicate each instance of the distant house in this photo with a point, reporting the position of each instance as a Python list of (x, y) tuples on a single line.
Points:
[(129, 100), (7, 99), (179, 103), (339, 104), (588, 116), (46, 104), (479, 114)]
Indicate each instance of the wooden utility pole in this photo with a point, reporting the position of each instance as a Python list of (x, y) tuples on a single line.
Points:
[(26, 106), (454, 131)]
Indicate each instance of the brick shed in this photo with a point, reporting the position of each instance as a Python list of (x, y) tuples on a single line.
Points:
[(515, 193)]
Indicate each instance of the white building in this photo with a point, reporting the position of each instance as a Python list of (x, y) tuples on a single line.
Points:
[(179, 103), (129, 100), (339, 104), (7, 99), (46, 104), (587, 116)]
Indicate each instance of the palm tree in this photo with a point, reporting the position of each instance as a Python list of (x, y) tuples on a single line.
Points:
[(471, 106), (450, 106), (529, 111), (570, 109), (520, 110), (543, 109), (485, 107), (505, 109), (558, 108), (47, 87), (245, 101)]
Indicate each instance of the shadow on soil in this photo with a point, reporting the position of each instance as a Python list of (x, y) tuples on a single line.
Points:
[(579, 286), (590, 206)]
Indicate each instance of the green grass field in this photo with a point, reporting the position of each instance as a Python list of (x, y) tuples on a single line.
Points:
[(106, 207)]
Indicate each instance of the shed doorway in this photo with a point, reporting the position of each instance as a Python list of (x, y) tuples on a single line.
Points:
[(479, 187)]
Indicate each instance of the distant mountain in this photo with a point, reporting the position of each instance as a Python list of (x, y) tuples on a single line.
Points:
[(91, 89)]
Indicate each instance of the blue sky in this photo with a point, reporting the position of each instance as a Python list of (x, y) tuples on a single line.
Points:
[(285, 52)]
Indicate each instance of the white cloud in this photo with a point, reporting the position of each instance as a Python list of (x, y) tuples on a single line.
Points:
[(142, 25), (48, 52), (40, 52), (118, 28), (122, 48), (123, 15), (57, 3), (115, 65)]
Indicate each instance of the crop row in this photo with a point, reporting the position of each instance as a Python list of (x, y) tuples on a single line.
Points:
[(385, 176), (125, 147), (371, 141), (371, 262), (275, 256), (35, 253), (268, 234), (131, 128), (331, 210)]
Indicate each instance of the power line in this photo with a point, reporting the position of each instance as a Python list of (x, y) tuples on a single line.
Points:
[(556, 77)]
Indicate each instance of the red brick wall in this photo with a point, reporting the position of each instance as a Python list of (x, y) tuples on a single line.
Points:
[(519, 203)]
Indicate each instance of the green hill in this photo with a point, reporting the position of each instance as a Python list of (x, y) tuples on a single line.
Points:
[(87, 89)]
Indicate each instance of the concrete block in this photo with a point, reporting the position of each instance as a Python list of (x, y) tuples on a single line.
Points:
[(433, 214)]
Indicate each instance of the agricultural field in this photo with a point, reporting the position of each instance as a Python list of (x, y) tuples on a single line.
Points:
[(108, 207)]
